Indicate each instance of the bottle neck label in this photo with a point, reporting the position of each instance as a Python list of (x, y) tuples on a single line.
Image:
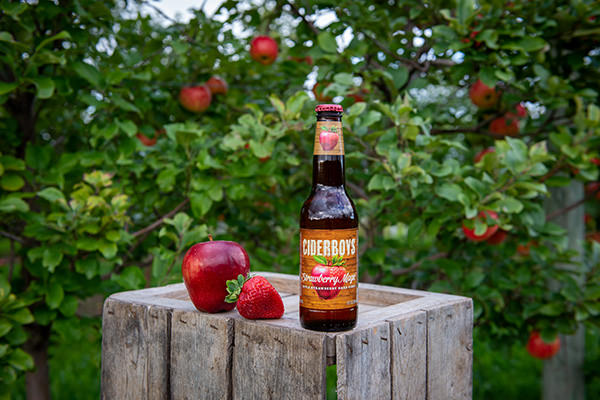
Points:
[(328, 268), (329, 139)]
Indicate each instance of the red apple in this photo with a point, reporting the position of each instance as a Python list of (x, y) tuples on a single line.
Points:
[(470, 233), (328, 140), (319, 92), (521, 110), (207, 266), (592, 188), (483, 96), (217, 85), (195, 98), (593, 237), (540, 349), (524, 249), (497, 238), (507, 125), (307, 59), (264, 50), (146, 141), (595, 161), (482, 153)]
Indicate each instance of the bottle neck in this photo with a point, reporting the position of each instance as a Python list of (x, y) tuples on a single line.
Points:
[(328, 158), (328, 171)]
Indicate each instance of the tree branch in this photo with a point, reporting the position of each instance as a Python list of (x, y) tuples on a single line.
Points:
[(12, 237), (573, 206), (415, 266), (159, 221)]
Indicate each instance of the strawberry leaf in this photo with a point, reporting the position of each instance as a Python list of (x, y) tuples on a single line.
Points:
[(320, 260), (234, 288)]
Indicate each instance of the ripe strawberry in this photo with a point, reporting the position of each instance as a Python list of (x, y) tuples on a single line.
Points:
[(256, 298), (329, 276)]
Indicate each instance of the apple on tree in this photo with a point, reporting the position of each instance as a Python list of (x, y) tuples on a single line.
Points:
[(217, 85), (507, 125), (538, 348), (195, 98), (489, 232), (206, 268), (483, 96), (482, 153), (145, 140), (264, 50)]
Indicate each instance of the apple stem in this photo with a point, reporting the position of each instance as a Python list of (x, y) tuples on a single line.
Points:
[(210, 237)]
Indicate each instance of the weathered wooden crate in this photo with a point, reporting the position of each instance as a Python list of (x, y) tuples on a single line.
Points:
[(408, 344)]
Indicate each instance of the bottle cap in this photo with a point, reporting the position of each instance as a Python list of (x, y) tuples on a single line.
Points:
[(329, 107)]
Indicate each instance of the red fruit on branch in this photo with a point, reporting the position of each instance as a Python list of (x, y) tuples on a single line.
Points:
[(498, 237), (264, 50), (195, 98), (482, 153), (145, 140), (593, 187), (483, 96), (507, 125), (538, 348), (470, 232), (521, 110), (207, 267), (217, 85), (256, 298)]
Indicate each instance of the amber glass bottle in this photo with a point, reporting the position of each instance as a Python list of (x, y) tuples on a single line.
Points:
[(328, 234)]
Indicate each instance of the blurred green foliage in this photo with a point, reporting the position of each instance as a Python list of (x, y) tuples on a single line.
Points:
[(87, 209)]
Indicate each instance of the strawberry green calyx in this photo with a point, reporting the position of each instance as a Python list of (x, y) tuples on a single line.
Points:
[(234, 288)]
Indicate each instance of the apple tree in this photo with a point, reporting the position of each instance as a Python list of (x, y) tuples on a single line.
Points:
[(463, 121)]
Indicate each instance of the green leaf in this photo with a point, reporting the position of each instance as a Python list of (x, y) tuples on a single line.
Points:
[(277, 104), (509, 205), (20, 360), (400, 76), (89, 73), (449, 191), (124, 104), (52, 257), (11, 182), (5, 327), (295, 103), (22, 316), (63, 35), (200, 204), (488, 76), (464, 10), (551, 310), (54, 295), (45, 87), (11, 204), (320, 260), (51, 194), (69, 305), (327, 42), (108, 249), (7, 87), (343, 78), (38, 157), (129, 127), (131, 278)]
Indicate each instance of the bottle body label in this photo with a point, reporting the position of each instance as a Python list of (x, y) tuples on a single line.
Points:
[(329, 139), (328, 268)]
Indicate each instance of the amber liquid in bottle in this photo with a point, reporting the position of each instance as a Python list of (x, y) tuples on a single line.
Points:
[(328, 213)]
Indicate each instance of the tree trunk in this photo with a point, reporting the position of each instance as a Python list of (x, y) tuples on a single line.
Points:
[(38, 382), (563, 374)]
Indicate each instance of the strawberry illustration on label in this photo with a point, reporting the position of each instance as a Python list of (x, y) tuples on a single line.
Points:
[(328, 276), (328, 137)]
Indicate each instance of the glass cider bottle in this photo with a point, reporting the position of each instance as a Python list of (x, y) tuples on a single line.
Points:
[(328, 234)]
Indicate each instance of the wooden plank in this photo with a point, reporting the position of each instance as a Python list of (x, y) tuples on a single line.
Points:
[(271, 362), (363, 363), (450, 351), (408, 356), (135, 356), (201, 347)]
